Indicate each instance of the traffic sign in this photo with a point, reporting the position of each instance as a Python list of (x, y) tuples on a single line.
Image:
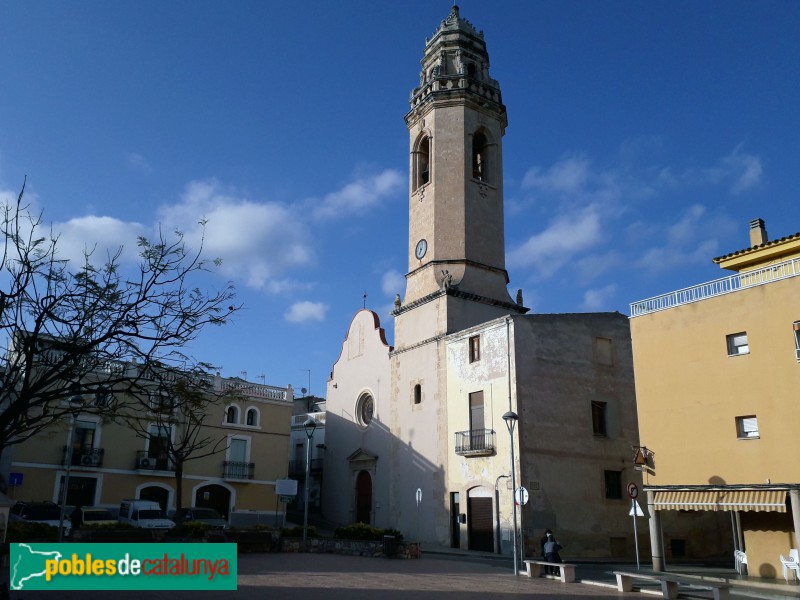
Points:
[(636, 510), (633, 491), (521, 496)]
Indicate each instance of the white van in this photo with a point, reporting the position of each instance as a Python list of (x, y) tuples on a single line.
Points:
[(144, 514)]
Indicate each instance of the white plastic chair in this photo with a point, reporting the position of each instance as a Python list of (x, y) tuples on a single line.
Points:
[(790, 565), (740, 559)]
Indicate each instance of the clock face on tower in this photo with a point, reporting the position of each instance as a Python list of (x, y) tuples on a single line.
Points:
[(422, 248)]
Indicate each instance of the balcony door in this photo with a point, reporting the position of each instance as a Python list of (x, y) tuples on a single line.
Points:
[(477, 424)]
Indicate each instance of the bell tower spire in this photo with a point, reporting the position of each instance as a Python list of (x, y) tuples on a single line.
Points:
[(456, 242)]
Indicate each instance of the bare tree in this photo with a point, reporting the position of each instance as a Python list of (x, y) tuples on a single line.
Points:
[(71, 330), (174, 418)]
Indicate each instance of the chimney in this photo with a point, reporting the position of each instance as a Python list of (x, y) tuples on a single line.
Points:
[(758, 233)]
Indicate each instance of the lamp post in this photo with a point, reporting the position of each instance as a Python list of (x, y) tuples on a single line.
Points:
[(75, 402), (309, 426), (511, 420)]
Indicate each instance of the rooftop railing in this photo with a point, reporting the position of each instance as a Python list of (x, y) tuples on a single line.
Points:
[(718, 287)]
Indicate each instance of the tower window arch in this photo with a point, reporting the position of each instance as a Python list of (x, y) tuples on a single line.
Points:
[(481, 157), (422, 162), (252, 417)]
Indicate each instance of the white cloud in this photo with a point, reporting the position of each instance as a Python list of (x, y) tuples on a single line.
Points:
[(304, 312), (138, 163), (257, 241), (566, 236), (359, 195), (597, 265), (569, 175), (101, 236), (692, 239), (745, 170), (393, 282), (685, 231), (599, 298)]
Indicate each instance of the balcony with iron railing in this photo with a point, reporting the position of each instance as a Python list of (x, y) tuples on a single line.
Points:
[(82, 457), (297, 468), (146, 462), (718, 287), (475, 442), (238, 470)]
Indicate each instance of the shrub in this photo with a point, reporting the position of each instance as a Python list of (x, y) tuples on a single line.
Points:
[(190, 529), (362, 531), (106, 526), (20, 531), (298, 532)]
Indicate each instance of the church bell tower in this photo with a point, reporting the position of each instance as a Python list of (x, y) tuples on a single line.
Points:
[(456, 244)]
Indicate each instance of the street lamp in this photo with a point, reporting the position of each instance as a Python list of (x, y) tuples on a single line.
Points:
[(309, 426), (75, 403), (511, 420)]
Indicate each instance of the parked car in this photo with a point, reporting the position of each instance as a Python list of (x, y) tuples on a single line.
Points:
[(91, 515), (38, 512), (200, 515), (144, 514)]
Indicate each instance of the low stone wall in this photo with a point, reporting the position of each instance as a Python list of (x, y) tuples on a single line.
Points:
[(377, 549)]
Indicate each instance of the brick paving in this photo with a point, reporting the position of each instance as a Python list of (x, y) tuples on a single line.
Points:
[(284, 576)]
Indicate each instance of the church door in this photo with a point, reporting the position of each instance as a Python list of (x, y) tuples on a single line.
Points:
[(363, 498)]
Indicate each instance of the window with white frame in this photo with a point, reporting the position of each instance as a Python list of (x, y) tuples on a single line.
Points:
[(737, 344), (252, 417), (232, 414), (747, 427)]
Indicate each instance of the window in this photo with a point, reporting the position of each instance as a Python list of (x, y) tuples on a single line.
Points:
[(103, 398), (603, 351), (480, 157), (422, 158), (161, 403), (232, 415), (613, 481), (158, 438), (737, 344), (418, 394), (252, 417), (365, 409), (796, 326), (599, 419), (747, 428), (474, 348)]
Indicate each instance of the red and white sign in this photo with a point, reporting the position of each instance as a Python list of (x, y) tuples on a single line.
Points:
[(633, 490)]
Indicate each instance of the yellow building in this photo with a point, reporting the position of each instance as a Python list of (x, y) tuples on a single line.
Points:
[(106, 460), (717, 369)]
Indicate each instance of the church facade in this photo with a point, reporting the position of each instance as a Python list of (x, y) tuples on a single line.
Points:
[(415, 433)]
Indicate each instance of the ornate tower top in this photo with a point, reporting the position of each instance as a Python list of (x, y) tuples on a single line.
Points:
[(456, 65)]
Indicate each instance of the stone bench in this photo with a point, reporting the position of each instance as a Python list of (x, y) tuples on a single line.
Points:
[(669, 584), (533, 568)]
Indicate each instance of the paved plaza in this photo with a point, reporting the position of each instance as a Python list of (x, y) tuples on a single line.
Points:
[(283, 576)]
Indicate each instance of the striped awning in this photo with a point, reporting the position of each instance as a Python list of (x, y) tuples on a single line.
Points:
[(738, 500)]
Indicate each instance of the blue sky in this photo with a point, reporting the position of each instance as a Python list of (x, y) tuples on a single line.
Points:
[(642, 139)]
